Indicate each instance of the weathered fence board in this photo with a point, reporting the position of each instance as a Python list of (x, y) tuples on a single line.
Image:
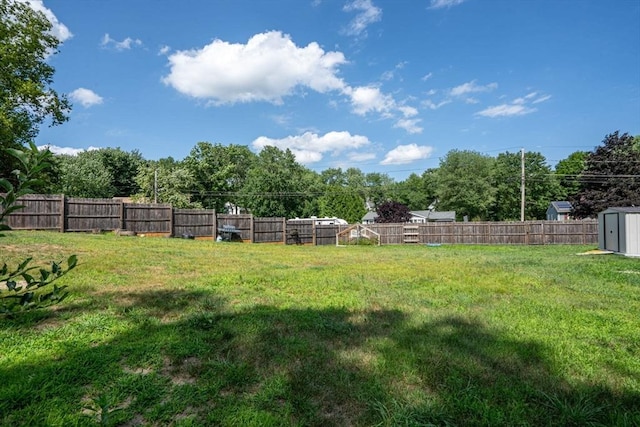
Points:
[(269, 230), (304, 229), (148, 218), (194, 222), (243, 223), (39, 213), (92, 214)]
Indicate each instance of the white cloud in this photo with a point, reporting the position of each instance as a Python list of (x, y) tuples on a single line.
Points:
[(267, 68), (164, 50), (86, 97), (426, 77), (433, 106), (367, 15), (410, 125), (506, 110), (472, 87), (517, 107), (281, 119), (310, 147), (125, 44), (441, 4), (58, 29), (366, 99), (370, 99), (408, 111), (70, 151), (541, 99), (360, 157), (404, 154)]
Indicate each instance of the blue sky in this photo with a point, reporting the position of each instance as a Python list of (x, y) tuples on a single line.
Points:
[(386, 86)]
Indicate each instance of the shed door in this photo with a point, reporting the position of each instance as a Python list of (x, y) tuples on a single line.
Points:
[(611, 242)]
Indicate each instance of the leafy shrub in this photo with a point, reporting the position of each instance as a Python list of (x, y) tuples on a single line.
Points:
[(18, 286)]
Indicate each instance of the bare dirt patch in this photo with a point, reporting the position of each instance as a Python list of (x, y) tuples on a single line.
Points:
[(182, 373)]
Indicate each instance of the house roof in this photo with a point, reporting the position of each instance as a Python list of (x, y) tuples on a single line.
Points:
[(442, 216), (562, 206), (370, 216), (428, 215)]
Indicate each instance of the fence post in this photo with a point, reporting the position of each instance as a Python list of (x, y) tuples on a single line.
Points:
[(284, 230), (122, 225), (314, 240), (252, 229), (214, 226), (171, 221), (63, 212)]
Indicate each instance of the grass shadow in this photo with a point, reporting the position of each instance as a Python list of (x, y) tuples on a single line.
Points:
[(189, 358)]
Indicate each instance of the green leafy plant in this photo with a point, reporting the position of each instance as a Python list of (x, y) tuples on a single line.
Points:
[(18, 286)]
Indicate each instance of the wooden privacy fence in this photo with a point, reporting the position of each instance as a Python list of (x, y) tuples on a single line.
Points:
[(56, 212)]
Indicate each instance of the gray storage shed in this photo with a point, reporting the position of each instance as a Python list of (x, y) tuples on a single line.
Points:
[(619, 230)]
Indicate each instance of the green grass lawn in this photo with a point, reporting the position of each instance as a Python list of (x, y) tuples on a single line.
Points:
[(179, 332)]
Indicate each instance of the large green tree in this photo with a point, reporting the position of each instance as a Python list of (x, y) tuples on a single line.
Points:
[(27, 98), (541, 186), (166, 181), (417, 191), (568, 173), (276, 185), (219, 172), (103, 173), (85, 175), (611, 176), (342, 202), (123, 167), (380, 188), (464, 184)]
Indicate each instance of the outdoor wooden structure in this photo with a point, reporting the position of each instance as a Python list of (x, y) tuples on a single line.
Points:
[(357, 234), (59, 213)]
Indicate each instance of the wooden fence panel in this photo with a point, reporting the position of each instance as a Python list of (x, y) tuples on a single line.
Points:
[(194, 222), (436, 233), (148, 218), (304, 229), (507, 233), (326, 234), (244, 223), (92, 214), (269, 230), (570, 232), (40, 212)]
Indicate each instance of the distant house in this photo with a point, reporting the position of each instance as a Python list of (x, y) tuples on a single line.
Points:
[(559, 211), (369, 218), (420, 217), (417, 217)]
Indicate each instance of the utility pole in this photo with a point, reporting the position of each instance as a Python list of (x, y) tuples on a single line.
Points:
[(522, 192), (155, 186)]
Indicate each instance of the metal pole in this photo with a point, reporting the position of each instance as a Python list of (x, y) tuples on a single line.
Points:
[(522, 192), (155, 186)]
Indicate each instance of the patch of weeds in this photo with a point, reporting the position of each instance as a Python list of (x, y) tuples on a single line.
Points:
[(579, 410), (105, 410)]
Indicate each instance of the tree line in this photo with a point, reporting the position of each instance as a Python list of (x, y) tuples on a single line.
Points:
[(273, 183)]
